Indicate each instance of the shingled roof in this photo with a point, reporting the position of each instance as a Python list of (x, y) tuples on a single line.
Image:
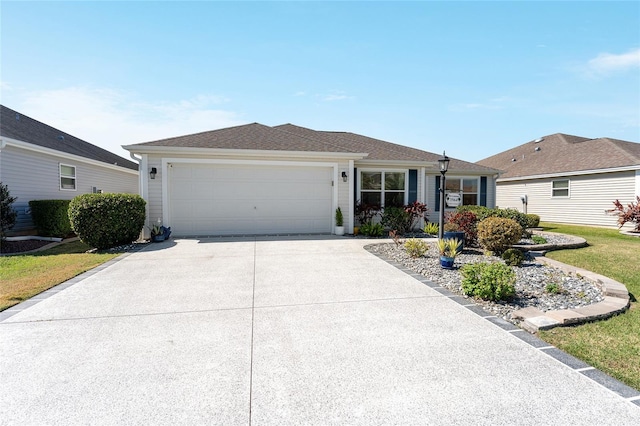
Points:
[(560, 153), (18, 126), (289, 137), (380, 150)]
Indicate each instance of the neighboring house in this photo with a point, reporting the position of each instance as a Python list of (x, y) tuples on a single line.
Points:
[(568, 179), (256, 179), (39, 162)]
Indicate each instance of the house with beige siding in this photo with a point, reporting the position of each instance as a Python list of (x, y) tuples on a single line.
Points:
[(568, 179), (40, 162), (257, 179)]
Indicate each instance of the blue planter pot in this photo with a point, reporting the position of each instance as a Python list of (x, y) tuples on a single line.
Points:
[(447, 262), (455, 234), (158, 238)]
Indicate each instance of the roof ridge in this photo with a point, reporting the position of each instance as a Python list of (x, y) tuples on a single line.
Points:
[(614, 142), (340, 147)]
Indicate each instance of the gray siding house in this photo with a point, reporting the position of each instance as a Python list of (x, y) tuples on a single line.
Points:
[(568, 179), (257, 179), (39, 162)]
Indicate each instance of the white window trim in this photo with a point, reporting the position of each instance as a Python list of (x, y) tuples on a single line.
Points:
[(460, 179), (568, 188), (406, 182), (74, 177)]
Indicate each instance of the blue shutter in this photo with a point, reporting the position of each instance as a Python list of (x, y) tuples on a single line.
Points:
[(437, 193), (413, 186), (483, 191)]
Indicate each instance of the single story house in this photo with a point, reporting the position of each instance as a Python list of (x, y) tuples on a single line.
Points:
[(257, 179), (568, 179), (40, 162)]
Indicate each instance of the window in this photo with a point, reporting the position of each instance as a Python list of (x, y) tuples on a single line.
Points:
[(67, 177), (383, 188), (466, 187), (560, 188)]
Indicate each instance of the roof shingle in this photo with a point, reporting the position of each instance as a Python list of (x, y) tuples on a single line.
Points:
[(18, 126), (560, 153)]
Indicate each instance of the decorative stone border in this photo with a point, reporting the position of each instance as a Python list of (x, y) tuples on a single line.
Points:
[(616, 296)]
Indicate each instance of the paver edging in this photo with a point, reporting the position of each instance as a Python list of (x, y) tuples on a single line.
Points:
[(616, 301)]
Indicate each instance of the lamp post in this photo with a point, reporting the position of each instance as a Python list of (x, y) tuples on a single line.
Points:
[(444, 166)]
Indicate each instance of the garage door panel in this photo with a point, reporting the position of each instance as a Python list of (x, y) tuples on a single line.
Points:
[(209, 199)]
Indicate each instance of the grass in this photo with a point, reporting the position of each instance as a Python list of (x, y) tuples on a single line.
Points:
[(613, 345), (24, 276)]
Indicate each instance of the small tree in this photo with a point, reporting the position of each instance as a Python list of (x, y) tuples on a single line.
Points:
[(630, 213), (7, 213)]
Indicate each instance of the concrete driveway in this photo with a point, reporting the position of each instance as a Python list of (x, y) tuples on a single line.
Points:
[(287, 331)]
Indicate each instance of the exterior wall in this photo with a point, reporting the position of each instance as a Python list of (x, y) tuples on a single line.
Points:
[(431, 194), (589, 197), (31, 175), (154, 206)]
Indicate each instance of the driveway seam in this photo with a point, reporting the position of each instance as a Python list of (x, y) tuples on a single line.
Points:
[(253, 310)]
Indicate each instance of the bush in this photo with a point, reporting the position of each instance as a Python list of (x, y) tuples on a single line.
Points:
[(482, 213), (497, 234), (51, 217), (488, 281), (371, 229), (7, 213), (630, 213), (416, 247), (465, 221), (396, 219), (513, 257), (416, 211), (431, 228), (533, 220), (365, 212), (107, 220)]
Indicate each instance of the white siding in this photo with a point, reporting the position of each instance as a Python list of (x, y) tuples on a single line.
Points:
[(590, 196), (31, 175)]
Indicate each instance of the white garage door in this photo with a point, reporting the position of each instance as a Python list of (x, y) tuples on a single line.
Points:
[(206, 199)]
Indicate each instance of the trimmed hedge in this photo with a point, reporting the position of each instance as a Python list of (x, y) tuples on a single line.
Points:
[(51, 217), (497, 234), (107, 220)]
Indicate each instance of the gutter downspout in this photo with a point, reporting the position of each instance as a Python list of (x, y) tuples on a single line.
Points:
[(143, 189)]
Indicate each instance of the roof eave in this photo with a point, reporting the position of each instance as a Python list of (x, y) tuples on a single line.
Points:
[(571, 173), (225, 152)]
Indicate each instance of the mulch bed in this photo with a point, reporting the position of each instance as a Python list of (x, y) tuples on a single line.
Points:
[(7, 247)]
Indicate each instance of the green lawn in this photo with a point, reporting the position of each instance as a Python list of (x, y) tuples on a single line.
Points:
[(613, 345), (24, 276)]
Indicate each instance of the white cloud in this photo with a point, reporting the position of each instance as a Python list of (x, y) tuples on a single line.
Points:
[(491, 104), (111, 118), (300, 93), (335, 95), (608, 63)]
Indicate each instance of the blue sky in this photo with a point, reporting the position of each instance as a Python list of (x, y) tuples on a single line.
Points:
[(474, 78)]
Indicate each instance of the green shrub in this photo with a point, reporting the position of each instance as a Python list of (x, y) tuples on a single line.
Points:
[(107, 220), (416, 247), (51, 217), (371, 229), (488, 281), (538, 239), (396, 219), (7, 213), (513, 257), (431, 228), (497, 234), (533, 220)]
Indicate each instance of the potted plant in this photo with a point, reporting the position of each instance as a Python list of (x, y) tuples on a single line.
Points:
[(339, 222), (448, 251), (452, 231), (157, 233)]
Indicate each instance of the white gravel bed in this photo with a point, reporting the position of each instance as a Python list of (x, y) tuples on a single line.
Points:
[(531, 281)]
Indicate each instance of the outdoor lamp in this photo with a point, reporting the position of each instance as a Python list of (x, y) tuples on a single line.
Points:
[(444, 166), (344, 176), (153, 173)]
